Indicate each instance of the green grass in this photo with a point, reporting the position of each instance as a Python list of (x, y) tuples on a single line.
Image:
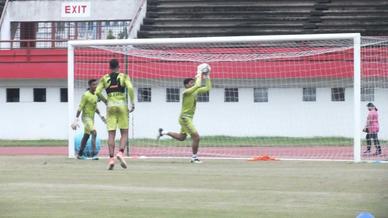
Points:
[(228, 141), (59, 187), (206, 141), (253, 141)]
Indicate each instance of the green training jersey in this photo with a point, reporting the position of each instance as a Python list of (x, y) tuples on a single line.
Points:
[(88, 104), (115, 85), (189, 101)]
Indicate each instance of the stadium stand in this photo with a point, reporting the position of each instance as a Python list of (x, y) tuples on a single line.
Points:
[(192, 18)]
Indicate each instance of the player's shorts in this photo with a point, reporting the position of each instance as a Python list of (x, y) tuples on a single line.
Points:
[(117, 117), (187, 126), (88, 124)]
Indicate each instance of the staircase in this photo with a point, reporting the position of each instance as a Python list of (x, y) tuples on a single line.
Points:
[(195, 18), (370, 18)]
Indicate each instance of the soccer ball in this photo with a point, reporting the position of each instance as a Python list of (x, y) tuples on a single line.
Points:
[(204, 68)]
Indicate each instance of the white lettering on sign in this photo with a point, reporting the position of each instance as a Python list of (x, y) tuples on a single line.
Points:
[(75, 9)]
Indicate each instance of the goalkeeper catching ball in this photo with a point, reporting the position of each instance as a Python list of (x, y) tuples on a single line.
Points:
[(88, 106), (192, 89)]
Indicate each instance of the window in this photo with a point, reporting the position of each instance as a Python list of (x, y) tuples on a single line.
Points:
[(63, 94), (66, 30), (260, 95), (231, 95), (203, 97), (172, 94), (309, 94), (60, 26), (338, 94), (39, 95), (144, 94), (367, 94), (13, 95)]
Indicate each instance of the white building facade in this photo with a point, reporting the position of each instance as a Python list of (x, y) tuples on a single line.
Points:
[(284, 114)]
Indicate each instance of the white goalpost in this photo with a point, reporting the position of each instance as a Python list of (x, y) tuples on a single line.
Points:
[(286, 96)]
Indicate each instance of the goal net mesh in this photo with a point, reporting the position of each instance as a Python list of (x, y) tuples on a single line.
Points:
[(288, 99)]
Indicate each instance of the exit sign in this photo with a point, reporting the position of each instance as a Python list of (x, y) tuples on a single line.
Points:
[(75, 9)]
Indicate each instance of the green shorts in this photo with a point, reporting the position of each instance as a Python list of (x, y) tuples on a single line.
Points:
[(88, 124), (117, 117), (187, 126)]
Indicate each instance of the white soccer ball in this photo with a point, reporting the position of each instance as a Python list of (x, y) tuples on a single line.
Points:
[(204, 68)]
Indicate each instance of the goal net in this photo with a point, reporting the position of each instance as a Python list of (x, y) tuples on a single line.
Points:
[(289, 97)]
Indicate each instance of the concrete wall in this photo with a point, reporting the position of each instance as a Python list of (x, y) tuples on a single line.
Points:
[(284, 115), (51, 11), (33, 120)]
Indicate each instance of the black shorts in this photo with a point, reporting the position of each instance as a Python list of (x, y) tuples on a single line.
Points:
[(371, 136)]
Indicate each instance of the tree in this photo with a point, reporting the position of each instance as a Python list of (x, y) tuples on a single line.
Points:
[(110, 35)]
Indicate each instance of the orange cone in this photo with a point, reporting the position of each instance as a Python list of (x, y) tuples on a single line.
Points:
[(262, 158)]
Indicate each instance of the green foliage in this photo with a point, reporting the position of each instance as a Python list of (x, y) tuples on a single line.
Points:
[(123, 34), (110, 35)]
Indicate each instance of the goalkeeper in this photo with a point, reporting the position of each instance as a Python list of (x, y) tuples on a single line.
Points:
[(88, 106), (192, 89), (115, 85)]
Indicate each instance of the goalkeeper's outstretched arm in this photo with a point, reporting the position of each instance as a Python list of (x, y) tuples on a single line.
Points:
[(207, 87), (131, 94), (100, 87), (102, 98), (75, 124), (203, 70), (196, 85)]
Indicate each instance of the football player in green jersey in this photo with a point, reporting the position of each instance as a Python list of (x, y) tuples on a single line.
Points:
[(88, 107), (116, 84), (192, 89)]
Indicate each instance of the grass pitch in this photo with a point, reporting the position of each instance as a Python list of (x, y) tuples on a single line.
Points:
[(42, 186), (210, 141)]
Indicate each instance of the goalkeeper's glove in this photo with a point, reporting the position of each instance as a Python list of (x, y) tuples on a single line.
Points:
[(75, 124), (199, 74)]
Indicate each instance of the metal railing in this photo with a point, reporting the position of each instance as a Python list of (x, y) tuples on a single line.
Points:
[(61, 31)]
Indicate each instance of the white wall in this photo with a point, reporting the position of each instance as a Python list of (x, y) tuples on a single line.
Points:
[(32, 120), (284, 115), (51, 11)]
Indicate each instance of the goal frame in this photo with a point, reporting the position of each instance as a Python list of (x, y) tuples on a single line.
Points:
[(355, 37)]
